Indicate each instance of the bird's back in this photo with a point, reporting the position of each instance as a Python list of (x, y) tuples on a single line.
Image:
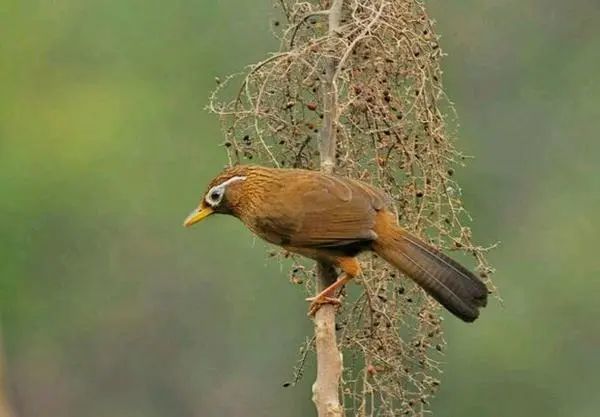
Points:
[(309, 209)]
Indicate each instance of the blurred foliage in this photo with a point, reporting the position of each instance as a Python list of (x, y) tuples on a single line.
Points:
[(110, 307)]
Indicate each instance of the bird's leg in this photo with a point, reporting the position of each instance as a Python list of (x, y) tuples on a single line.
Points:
[(350, 268)]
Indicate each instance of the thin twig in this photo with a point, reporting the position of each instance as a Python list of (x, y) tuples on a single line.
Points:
[(302, 21)]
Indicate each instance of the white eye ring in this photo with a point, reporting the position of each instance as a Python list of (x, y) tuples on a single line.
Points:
[(215, 195)]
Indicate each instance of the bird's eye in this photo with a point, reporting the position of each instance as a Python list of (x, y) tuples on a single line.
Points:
[(215, 195)]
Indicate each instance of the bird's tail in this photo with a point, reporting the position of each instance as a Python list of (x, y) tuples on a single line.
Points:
[(451, 284)]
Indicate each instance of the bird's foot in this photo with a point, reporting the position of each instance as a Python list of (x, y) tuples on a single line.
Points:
[(319, 300)]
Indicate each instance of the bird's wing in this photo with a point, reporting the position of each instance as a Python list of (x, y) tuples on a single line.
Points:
[(319, 210)]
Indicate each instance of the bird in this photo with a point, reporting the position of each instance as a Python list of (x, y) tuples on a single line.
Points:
[(332, 219)]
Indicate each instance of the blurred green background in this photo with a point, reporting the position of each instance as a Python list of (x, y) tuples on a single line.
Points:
[(110, 308)]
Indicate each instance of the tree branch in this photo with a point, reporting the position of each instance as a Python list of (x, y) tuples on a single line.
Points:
[(329, 359), (330, 94)]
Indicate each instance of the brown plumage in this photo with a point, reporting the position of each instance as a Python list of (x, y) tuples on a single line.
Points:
[(332, 219)]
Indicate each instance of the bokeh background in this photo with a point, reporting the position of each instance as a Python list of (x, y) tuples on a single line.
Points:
[(110, 308)]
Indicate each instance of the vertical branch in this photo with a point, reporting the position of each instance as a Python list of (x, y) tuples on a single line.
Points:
[(329, 359), (327, 144)]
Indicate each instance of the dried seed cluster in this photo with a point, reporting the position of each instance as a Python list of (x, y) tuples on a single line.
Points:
[(392, 131)]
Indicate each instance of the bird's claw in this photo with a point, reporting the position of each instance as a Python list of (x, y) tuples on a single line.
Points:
[(318, 301)]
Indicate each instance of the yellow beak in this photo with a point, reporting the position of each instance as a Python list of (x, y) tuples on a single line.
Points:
[(197, 215)]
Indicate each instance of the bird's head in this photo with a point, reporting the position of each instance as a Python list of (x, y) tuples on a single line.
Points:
[(221, 196)]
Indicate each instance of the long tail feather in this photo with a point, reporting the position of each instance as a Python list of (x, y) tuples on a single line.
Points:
[(451, 284)]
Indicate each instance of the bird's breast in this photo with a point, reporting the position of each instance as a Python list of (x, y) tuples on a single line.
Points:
[(278, 230)]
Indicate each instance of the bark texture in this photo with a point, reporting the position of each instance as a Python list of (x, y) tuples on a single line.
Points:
[(326, 389)]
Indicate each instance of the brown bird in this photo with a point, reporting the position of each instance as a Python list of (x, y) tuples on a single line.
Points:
[(332, 219)]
